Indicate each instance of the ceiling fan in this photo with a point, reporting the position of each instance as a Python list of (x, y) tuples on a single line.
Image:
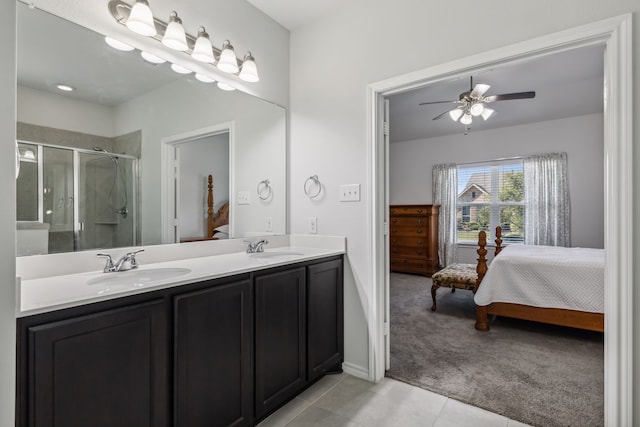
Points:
[(472, 103)]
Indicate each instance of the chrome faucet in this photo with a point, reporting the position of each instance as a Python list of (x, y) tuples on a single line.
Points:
[(256, 247), (127, 262)]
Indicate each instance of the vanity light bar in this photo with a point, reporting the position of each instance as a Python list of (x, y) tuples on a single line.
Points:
[(121, 11)]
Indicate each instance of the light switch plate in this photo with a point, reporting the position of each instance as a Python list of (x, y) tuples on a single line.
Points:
[(244, 198), (349, 193), (268, 224)]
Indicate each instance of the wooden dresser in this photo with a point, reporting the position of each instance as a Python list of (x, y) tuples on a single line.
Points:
[(413, 238)]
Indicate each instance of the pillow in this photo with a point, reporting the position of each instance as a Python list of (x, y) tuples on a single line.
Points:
[(222, 229)]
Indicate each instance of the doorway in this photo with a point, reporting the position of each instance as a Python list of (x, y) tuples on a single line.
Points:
[(615, 34)]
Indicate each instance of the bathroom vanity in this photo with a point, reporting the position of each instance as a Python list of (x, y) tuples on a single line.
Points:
[(205, 347)]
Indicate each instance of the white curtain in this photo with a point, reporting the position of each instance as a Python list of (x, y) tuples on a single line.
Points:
[(445, 193), (547, 205)]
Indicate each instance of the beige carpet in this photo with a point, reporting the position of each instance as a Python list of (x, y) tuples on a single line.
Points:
[(538, 374)]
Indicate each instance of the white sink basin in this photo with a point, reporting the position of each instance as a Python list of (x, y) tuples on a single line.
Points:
[(276, 255), (135, 278)]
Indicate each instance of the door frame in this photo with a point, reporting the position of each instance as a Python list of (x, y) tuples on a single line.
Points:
[(171, 174), (616, 35)]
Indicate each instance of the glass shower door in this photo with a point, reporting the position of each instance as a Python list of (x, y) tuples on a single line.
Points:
[(106, 203), (58, 198)]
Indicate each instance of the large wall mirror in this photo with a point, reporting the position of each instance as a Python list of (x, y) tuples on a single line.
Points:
[(124, 158)]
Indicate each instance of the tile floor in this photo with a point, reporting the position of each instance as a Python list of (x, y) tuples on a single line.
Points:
[(346, 401)]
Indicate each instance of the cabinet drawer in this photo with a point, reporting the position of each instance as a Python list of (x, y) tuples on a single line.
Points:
[(408, 210), (408, 221), (408, 251), (409, 231), (408, 241), (409, 265)]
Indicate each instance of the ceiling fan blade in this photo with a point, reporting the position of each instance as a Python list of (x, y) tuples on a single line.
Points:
[(437, 102), (510, 96), (479, 90)]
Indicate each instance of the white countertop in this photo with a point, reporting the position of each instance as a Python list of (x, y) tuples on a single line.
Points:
[(44, 294)]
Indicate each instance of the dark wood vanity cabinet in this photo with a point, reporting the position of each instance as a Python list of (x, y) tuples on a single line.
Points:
[(325, 328), (223, 352), (213, 338), (103, 369), (280, 337)]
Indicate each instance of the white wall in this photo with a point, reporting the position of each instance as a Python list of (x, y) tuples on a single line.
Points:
[(7, 213), (411, 162), (259, 148), (199, 159), (61, 112), (334, 59)]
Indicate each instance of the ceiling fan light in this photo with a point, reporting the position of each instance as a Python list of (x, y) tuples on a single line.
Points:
[(488, 112), (203, 51), (228, 61), (141, 19), (476, 109), (249, 71), (466, 119), (174, 36), (455, 114)]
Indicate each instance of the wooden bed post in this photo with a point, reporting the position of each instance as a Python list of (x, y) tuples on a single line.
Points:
[(498, 239), (482, 324), (209, 207)]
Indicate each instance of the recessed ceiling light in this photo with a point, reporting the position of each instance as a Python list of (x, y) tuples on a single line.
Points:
[(117, 44), (64, 87)]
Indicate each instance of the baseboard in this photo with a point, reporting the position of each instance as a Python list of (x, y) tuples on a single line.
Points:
[(355, 370)]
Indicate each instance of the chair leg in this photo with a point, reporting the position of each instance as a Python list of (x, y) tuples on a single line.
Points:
[(453, 290), (434, 288)]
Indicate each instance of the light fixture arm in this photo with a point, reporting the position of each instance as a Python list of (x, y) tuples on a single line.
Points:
[(121, 10)]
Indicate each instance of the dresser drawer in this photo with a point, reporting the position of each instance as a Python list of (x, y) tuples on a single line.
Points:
[(408, 221), (409, 231), (408, 251), (408, 210), (408, 265), (408, 241)]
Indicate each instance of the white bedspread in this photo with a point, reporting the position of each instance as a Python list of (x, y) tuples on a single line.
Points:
[(546, 276)]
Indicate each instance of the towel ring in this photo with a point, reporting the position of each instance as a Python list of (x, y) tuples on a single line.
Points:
[(307, 188), (264, 189)]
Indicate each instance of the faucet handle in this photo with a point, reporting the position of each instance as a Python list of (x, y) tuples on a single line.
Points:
[(132, 258), (108, 267)]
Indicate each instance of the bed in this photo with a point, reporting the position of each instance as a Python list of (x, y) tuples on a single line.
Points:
[(548, 284), (217, 222)]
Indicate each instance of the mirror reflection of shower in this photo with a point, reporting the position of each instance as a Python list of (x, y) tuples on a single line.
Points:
[(118, 208), (72, 199)]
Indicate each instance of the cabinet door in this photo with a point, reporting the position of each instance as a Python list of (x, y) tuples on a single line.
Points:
[(105, 369), (280, 337), (325, 332), (213, 364)]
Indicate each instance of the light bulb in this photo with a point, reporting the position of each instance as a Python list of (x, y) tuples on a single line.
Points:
[(149, 57), (141, 19), (117, 44), (466, 119), (202, 50), (204, 79), (64, 87), (488, 112), (455, 114), (476, 109), (249, 71), (180, 69), (228, 61), (174, 36)]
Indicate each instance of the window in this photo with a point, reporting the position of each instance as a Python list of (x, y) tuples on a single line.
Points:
[(490, 194)]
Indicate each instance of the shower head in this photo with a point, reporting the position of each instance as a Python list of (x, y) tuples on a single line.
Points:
[(113, 158)]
